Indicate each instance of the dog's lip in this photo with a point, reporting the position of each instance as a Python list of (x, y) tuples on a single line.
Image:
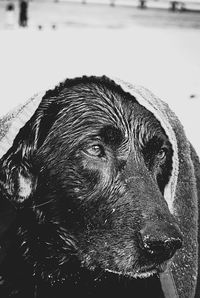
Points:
[(158, 268), (136, 274), (143, 272)]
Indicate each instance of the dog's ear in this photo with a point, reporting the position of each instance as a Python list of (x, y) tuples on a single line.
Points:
[(18, 173)]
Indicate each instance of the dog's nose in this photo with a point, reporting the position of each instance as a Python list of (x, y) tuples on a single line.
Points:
[(160, 240)]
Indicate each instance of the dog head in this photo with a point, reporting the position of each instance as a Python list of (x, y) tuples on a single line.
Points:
[(87, 174)]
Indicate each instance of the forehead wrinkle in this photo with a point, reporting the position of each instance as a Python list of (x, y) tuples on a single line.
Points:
[(107, 102), (92, 116), (85, 109)]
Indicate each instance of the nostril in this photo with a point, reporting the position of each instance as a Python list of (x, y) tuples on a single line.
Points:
[(159, 245), (162, 248), (176, 243)]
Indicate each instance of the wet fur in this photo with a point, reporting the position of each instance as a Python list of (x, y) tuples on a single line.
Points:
[(78, 215)]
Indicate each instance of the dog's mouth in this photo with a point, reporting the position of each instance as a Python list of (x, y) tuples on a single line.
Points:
[(138, 274), (123, 278), (143, 272), (146, 281), (142, 284)]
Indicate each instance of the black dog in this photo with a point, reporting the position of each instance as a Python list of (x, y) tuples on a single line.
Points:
[(85, 179)]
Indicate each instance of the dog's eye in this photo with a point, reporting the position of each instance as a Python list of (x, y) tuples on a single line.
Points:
[(95, 150), (162, 154)]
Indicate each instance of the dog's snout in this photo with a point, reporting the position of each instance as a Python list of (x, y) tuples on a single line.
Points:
[(163, 249), (160, 240)]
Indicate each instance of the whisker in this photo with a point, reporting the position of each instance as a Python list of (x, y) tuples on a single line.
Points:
[(39, 205)]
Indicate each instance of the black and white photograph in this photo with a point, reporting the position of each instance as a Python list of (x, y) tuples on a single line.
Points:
[(99, 149)]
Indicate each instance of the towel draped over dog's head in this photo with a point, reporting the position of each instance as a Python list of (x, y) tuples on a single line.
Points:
[(180, 192)]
